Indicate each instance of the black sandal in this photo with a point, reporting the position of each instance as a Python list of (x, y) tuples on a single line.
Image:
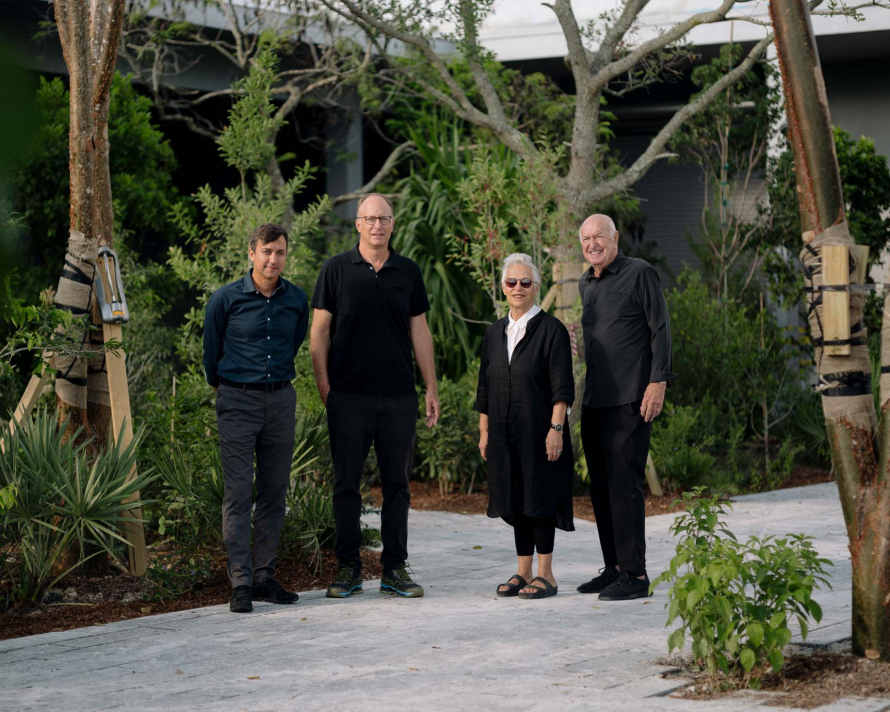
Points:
[(546, 592), (512, 588)]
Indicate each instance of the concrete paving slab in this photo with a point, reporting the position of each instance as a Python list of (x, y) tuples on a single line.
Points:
[(458, 648)]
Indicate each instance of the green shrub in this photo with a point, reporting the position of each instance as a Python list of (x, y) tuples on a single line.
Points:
[(167, 580), (735, 600), (449, 453), (681, 447), (69, 505)]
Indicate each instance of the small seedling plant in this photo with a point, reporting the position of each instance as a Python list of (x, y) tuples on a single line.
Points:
[(736, 601)]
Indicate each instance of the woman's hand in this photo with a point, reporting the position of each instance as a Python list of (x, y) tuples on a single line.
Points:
[(483, 444), (554, 445)]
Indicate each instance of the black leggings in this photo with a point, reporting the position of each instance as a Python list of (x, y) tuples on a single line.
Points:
[(533, 533)]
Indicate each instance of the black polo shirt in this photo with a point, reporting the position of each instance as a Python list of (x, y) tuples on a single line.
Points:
[(370, 333), (627, 334), (252, 338)]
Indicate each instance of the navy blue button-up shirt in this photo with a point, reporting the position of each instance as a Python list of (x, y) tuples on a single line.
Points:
[(251, 338)]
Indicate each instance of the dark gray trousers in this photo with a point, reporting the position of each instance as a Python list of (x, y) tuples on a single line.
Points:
[(260, 423)]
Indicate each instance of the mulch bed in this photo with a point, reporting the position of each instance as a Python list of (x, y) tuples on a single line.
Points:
[(91, 601), (96, 601), (812, 676)]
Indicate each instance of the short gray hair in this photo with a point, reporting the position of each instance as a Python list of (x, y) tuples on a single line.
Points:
[(599, 215), (520, 258)]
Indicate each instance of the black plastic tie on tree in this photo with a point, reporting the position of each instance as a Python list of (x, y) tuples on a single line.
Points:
[(885, 369), (854, 383)]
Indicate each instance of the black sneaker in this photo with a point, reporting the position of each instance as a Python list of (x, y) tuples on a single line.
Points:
[(398, 583), (272, 592), (241, 600), (348, 583), (596, 585), (626, 588)]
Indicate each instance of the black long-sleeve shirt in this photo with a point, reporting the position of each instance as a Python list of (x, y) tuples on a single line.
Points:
[(252, 338), (627, 334)]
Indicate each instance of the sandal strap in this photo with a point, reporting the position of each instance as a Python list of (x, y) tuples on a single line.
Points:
[(544, 581)]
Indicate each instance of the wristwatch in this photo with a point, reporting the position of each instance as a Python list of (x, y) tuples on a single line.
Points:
[(557, 427)]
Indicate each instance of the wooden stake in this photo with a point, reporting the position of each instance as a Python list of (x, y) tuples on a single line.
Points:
[(836, 305), (861, 252), (29, 399), (122, 429)]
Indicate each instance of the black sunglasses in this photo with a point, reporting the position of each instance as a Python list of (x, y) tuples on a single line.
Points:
[(525, 283)]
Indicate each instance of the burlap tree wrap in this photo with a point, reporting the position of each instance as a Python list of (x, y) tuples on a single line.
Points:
[(857, 409), (74, 294)]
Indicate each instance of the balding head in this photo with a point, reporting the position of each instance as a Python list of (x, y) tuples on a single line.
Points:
[(599, 241)]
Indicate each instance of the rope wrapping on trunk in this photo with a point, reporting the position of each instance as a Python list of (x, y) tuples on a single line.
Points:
[(844, 381), (74, 294)]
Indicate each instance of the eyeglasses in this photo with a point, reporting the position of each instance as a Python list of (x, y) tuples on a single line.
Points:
[(525, 283), (385, 220)]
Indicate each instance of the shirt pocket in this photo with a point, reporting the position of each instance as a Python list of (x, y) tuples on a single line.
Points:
[(397, 298), (619, 305)]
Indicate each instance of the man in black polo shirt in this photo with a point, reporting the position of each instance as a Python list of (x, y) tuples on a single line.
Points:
[(369, 315), (627, 349), (252, 331)]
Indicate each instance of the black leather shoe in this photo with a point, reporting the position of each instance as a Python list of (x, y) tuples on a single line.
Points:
[(626, 588), (272, 592), (241, 600), (596, 585)]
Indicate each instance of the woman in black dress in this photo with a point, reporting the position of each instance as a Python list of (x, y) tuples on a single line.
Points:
[(526, 387)]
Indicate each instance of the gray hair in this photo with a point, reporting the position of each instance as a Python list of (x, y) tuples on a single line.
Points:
[(603, 217), (520, 258)]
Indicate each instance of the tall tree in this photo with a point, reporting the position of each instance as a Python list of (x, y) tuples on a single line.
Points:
[(863, 472), (90, 32), (603, 57)]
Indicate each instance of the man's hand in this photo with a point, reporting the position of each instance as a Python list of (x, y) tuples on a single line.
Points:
[(554, 445), (483, 444), (432, 409), (653, 401), (324, 388), (215, 389)]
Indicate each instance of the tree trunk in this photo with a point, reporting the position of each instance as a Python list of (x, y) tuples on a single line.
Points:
[(89, 31), (844, 380)]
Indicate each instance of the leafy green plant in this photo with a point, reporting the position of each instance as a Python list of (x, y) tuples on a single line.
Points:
[(736, 601), (681, 448), (167, 581), (68, 504), (449, 453)]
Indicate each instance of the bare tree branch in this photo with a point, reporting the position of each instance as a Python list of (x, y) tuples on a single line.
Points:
[(388, 165)]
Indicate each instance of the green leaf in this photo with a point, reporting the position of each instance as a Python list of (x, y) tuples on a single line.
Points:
[(776, 659), (691, 599), (777, 619), (804, 628), (675, 640), (746, 658), (755, 633), (815, 610)]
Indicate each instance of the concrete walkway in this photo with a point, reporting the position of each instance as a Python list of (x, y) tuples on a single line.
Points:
[(459, 648)]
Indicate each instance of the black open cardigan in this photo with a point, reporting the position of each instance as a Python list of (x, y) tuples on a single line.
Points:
[(518, 398)]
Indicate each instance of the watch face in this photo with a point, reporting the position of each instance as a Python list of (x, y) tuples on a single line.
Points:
[(557, 427)]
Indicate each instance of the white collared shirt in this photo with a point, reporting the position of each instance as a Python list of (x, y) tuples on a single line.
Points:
[(516, 329)]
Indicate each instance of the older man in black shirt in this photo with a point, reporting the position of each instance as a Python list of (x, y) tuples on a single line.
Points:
[(370, 305), (253, 329), (627, 349)]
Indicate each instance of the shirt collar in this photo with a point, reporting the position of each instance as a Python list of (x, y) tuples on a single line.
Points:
[(248, 287), (524, 319), (392, 261), (614, 266)]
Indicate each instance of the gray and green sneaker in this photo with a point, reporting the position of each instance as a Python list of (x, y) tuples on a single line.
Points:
[(348, 583), (398, 583)]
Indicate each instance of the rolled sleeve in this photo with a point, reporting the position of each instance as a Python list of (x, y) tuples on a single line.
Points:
[(655, 307), (214, 334)]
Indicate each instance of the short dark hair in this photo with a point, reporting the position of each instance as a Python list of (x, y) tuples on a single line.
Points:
[(267, 232)]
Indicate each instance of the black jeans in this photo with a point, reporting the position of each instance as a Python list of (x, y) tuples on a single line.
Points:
[(616, 444), (254, 423), (354, 423)]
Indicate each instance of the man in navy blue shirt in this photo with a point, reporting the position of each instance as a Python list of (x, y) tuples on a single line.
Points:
[(253, 329)]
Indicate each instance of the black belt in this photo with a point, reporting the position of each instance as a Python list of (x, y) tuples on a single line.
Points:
[(273, 386)]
